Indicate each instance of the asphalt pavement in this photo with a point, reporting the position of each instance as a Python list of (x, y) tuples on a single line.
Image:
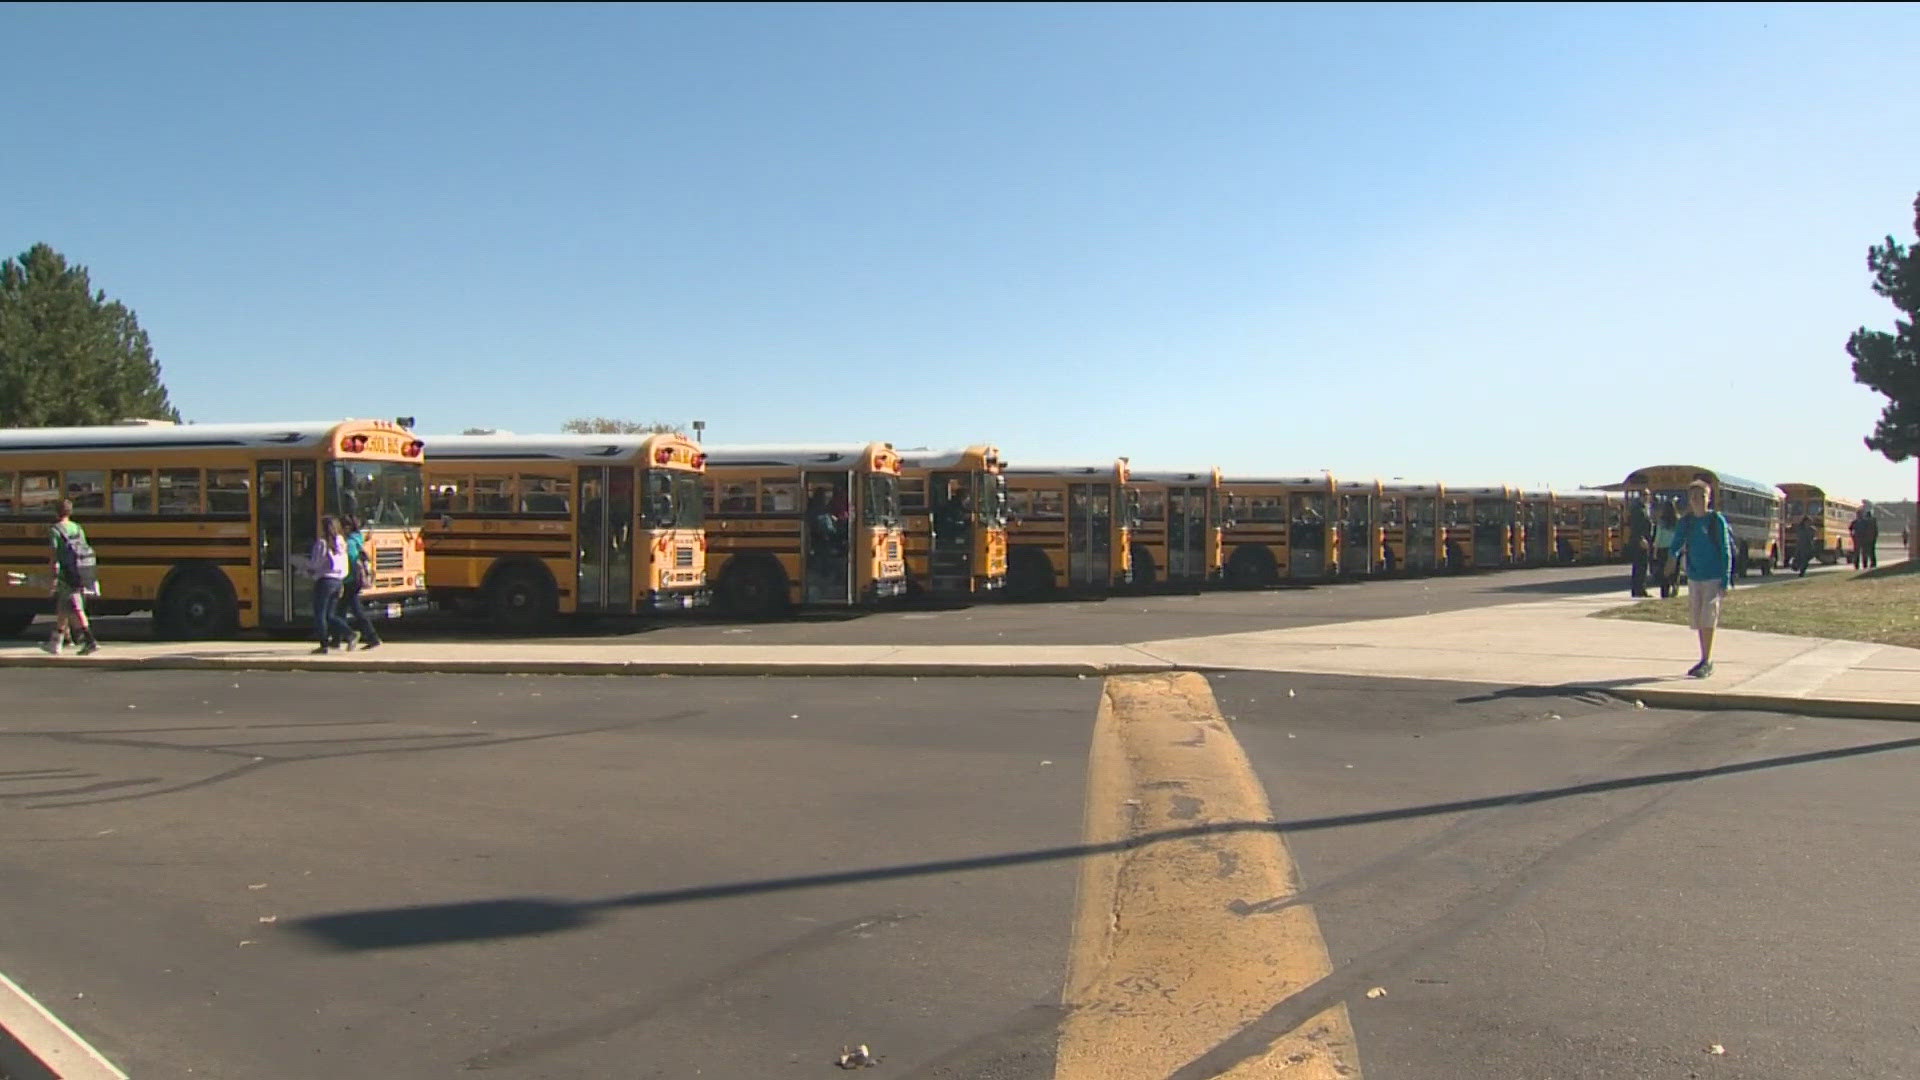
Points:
[(304, 876)]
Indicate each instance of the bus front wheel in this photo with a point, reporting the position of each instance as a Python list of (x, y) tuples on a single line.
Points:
[(15, 618), (1029, 574), (1251, 568), (520, 600), (1144, 573), (197, 606)]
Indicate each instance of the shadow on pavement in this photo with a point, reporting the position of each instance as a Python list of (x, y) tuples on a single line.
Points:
[(1584, 586), (433, 924), (1593, 690)]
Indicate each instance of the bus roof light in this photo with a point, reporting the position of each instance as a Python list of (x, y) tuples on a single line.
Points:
[(663, 455)]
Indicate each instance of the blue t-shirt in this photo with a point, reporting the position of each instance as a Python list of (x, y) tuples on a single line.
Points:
[(1706, 560)]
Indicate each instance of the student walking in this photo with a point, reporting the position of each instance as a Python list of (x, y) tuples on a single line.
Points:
[(359, 576), (1803, 544), (1705, 541), (329, 562), (74, 568)]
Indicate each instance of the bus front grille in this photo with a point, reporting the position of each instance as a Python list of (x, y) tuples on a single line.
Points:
[(389, 559)]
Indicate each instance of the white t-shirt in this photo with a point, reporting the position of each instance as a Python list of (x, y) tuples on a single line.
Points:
[(329, 562)]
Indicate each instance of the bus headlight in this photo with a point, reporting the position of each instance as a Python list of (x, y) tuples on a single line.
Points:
[(420, 581)]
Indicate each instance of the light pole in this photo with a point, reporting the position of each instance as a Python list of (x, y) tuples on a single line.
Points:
[(699, 427)]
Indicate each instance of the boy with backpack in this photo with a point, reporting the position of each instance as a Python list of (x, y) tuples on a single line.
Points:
[(1705, 540), (74, 576)]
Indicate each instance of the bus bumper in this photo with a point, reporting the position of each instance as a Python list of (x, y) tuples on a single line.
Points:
[(886, 590), (675, 599), (394, 607)]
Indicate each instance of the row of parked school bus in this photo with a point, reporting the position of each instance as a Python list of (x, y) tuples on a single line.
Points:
[(208, 526)]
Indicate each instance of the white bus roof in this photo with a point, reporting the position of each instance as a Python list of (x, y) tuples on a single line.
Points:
[(1408, 487), (1171, 476), (794, 454), (148, 436), (535, 447), (921, 457), (1320, 480)]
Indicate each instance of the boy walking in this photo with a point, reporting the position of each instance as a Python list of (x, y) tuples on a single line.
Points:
[(73, 577), (1705, 540)]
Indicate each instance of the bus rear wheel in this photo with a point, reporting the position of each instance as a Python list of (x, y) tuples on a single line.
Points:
[(520, 601), (754, 589), (15, 618), (1029, 574), (1251, 568), (197, 606), (1144, 574)]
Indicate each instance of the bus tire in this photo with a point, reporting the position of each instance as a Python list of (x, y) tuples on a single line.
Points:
[(1029, 573), (15, 617), (197, 604), (521, 598), (1252, 567), (753, 588), (1144, 572)]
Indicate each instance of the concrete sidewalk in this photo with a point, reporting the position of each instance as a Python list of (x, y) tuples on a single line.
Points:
[(1536, 645)]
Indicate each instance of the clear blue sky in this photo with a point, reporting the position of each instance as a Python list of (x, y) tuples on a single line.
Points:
[(1541, 245)]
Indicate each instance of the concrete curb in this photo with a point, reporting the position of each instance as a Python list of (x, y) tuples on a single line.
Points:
[(795, 668), (35, 1045), (1841, 708)]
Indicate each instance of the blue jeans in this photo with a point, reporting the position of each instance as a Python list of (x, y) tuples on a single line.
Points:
[(328, 626)]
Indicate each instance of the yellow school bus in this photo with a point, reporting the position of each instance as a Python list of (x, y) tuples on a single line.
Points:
[(1534, 528), (1411, 538), (1581, 526), (804, 526), (1069, 528), (1752, 509), (527, 527), (1279, 528), (1176, 538), (954, 505), (1831, 517), (208, 526), (1481, 523), (1361, 539)]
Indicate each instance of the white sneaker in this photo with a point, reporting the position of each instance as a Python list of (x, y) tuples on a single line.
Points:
[(51, 645)]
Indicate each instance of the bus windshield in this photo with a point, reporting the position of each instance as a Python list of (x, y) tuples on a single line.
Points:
[(674, 500), (991, 497), (379, 494), (883, 500)]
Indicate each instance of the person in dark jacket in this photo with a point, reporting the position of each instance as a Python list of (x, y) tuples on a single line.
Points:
[(1869, 539), (1639, 545), (1803, 544)]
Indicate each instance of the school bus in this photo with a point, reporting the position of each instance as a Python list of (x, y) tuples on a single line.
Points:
[(208, 526), (1831, 517), (529, 527), (1480, 523), (1534, 529), (954, 505), (804, 526), (1279, 528), (1069, 528), (1583, 526), (1176, 528), (1752, 508), (1361, 540), (1411, 538)]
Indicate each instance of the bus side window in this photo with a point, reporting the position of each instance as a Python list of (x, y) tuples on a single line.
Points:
[(88, 490), (1049, 504), (449, 496), (179, 492), (493, 494), (6, 494), (133, 491), (546, 496), (913, 495), (779, 497), (227, 492)]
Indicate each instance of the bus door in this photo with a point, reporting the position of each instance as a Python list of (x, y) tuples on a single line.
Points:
[(1307, 535), (289, 507), (604, 528), (950, 558), (1090, 536), (828, 548), (1539, 533), (1490, 532), (1356, 534), (1186, 534), (1423, 516)]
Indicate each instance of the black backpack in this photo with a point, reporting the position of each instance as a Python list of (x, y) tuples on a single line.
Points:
[(79, 569)]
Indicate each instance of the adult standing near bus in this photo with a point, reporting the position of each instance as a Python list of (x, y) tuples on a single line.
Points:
[(1705, 541), (1869, 538), (329, 562), (1666, 573), (359, 576), (1803, 544), (1855, 530), (1639, 544), (73, 568)]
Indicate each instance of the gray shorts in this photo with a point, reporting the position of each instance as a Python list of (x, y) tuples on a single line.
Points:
[(1703, 603)]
